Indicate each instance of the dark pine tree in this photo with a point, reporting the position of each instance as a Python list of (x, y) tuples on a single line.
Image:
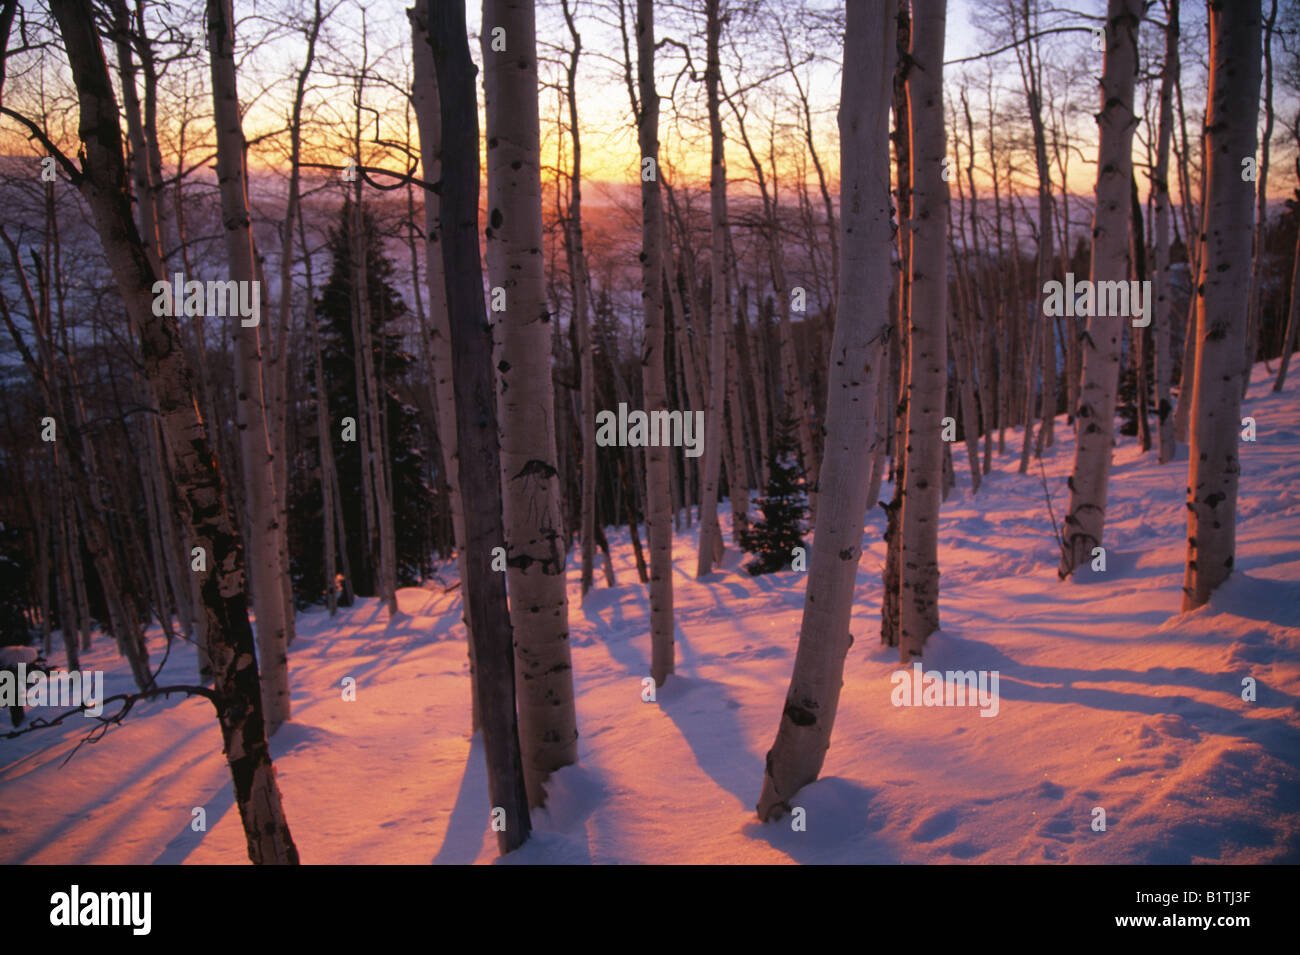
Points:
[(411, 492), (784, 504)]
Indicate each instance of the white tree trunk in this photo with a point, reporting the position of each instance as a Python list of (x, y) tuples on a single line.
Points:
[(1164, 366), (710, 543), (1224, 290), (476, 425), (256, 459), (659, 528), (861, 325), (927, 335), (534, 525), (1095, 418), (200, 490)]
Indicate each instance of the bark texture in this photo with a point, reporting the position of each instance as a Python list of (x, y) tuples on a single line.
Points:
[(1223, 290), (861, 326)]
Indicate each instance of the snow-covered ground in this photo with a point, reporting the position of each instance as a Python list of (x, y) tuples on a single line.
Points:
[(1108, 698)]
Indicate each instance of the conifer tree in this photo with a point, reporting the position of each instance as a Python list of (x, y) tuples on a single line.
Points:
[(412, 495), (784, 504)]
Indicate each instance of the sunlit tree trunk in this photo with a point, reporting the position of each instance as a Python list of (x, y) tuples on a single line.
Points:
[(256, 459), (927, 334), (1163, 302), (1095, 419), (861, 326), (1223, 289), (534, 527), (199, 487), (659, 527), (1253, 311), (710, 542), (476, 426)]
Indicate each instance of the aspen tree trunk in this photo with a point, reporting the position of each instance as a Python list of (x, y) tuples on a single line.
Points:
[(927, 335), (200, 490), (880, 441), (84, 625), (1253, 313), (44, 550), (1164, 303), (889, 606), (379, 511), (1138, 338), (144, 192), (1223, 290), (336, 550), (1292, 321), (753, 383), (861, 326), (962, 342), (791, 377), (476, 413), (66, 555), (710, 544), (534, 526), (379, 533), (575, 252), (428, 117), (738, 477), (80, 468), (687, 366), (1031, 366), (279, 338), (1195, 216), (173, 555), (659, 527), (1086, 518), (1031, 70), (256, 458)]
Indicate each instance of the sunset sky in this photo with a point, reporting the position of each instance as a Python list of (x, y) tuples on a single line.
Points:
[(271, 50)]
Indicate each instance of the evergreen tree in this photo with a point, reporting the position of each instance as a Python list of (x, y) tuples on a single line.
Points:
[(412, 493), (784, 504)]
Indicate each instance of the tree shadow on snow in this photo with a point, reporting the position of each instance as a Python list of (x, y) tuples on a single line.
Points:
[(1049, 684), (466, 824), (707, 717)]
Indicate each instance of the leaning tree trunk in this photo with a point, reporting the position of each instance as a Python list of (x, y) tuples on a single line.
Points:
[(534, 524), (1223, 289), (428, 117), (200, 491), (927, 335), (659, 528), (476, 425), (861, 326), (1095, 419), (1163, 365), (256, 458)]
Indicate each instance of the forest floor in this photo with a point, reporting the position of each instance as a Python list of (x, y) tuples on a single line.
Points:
[(1108, 698)]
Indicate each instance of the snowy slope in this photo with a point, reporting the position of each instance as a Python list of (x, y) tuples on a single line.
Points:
[(1108, 698)]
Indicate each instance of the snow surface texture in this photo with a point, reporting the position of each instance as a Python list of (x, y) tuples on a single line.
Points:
[(1109, 697)]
